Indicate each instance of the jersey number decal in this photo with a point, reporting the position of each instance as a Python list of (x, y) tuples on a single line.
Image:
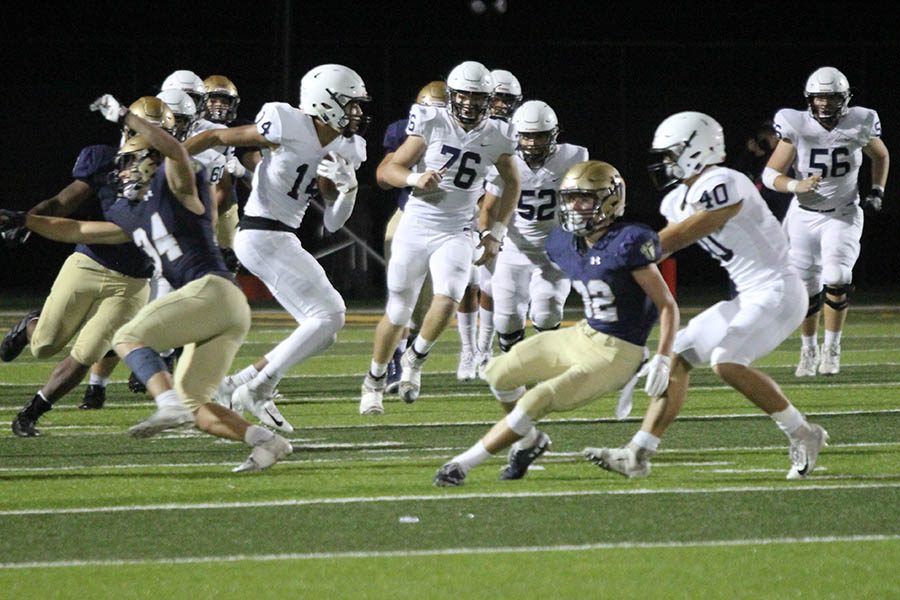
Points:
[(542, 211), (159, 243), (716, 249), (465, 175), (311, 191), (599, 300), (716, 197), (839, 167)]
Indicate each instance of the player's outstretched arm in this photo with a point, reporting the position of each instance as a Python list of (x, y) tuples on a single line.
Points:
[(67, 231)]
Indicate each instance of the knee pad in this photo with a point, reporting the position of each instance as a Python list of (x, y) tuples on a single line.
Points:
[(519, 422), (508, 396), (815, 304), (838, 290), (145, 363), (508, 340), (399, 309)]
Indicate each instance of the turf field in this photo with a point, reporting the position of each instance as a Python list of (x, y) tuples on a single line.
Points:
[(87, 512)]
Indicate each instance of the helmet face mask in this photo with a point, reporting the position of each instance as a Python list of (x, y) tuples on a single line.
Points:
[(591, 198), (827, 95), (136, 164), (221, 99), (469, 108), (507, 94), (183, 109), (335, 94), (684, 144)]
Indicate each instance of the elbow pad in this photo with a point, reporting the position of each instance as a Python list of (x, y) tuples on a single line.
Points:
[(768, 177)]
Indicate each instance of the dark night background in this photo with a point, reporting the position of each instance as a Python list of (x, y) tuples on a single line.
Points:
[(611, 70)]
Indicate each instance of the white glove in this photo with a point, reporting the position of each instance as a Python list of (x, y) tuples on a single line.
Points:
[(338, 170), (657, 372), (109, 107), (234, 166)]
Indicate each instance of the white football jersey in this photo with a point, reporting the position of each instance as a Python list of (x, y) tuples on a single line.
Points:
[(751, 246), (212, 159), (285, 178), (836, 155), (535, 216), (467, 156)]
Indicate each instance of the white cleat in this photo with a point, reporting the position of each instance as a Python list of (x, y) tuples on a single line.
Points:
[(623, 461), (262, 407), (809, 360), (166, 417), (468, 365), (411, 379), (805, 451), (483, 359), (265, 455), (371, 401), (831, 360), (224, 396)]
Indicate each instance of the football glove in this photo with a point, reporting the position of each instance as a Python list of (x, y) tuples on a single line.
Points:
[(110, 108), (873, 199), (235, 167), (11, 219), (338, 170), (657, 372)]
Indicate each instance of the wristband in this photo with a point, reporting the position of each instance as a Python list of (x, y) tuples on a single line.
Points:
[(412, 179), (792, 185), (496, 231)]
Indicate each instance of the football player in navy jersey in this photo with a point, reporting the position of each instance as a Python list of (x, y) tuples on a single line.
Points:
[(613, 266), (164, 207), (98, 289)]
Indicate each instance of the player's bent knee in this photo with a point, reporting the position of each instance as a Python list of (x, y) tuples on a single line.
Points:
[(398, 311), (145, 362), (42, 351)]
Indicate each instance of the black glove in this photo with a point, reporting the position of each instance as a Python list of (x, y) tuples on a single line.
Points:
[(15, 237), (873, 199), (231, 260), (11, 219)]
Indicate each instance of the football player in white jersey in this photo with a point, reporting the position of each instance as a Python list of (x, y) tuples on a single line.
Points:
[(475, 315), (300, 147), (451, 148), (825, 145), (721, 209), (525, 281)]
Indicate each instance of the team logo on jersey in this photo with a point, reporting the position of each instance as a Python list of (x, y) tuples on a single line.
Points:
[(596, 260), (648, 249)]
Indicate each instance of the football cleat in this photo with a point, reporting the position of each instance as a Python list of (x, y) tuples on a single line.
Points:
[(166, 417), (809, 360), (449, 475), (483, 359), (804, 452), (623, 461), (17, 338), (263, 407), (394, 370), (521, 458), (264, 455), (371, 401), (94, 397), (468, 364), (411, 378), (831, 360), (135, 385), (23, 425)]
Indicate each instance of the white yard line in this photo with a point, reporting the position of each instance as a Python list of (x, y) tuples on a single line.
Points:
[(192, 560), (438, 497)]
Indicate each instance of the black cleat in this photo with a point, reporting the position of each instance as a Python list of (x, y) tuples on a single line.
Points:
[(17, 338), (449, 475), (519, 460), (23, 424), (135, 385), (94, 397)]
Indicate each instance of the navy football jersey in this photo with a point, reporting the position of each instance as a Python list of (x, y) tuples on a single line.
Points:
[(393, 139), (614, 303), (181, 244), (94, 166)]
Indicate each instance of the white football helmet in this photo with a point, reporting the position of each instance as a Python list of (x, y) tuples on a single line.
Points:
[(537, 128), (507, 94), (469, 90), (334, 94), (184, 110), (191, 84), (683, 145), (832, 90)]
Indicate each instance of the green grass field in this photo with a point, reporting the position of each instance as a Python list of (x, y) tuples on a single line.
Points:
[(88, 512)]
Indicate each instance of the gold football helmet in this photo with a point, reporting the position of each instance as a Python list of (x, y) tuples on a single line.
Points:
[(433, 94), (592, 196), (222, 99), (136, 164), (154, 110)]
